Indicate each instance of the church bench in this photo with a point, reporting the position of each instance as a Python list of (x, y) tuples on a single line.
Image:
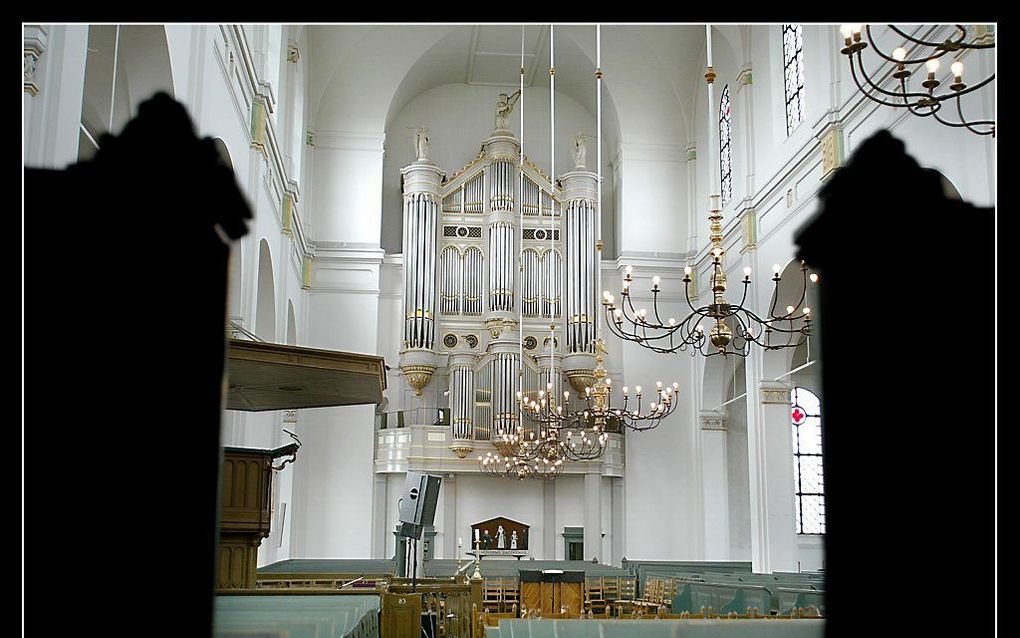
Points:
[(712, 628), (341, 615), (295, 624), (330, 566), (285, 580), (726, 598), (789, 599)]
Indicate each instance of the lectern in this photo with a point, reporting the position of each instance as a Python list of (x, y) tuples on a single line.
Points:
[(553, 590), (245, 511)]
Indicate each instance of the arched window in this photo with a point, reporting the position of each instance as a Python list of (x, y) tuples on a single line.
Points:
[(725, 147), (793, 73), (806, 420)]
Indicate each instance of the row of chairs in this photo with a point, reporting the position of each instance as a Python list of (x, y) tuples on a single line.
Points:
[(500, 595), (602, 591)]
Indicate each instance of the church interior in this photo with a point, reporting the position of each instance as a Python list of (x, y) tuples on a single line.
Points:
[(518, 330)]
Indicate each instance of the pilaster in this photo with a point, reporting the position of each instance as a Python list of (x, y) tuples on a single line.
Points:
[(715, 483), (593, 516)]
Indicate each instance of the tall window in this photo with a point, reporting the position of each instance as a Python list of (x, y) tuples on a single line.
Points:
[(793, 72), (725, 147), (806, 420)]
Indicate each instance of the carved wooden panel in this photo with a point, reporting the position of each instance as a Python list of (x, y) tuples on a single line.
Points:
[(245, 504), (571, 597), (550, 597), (531, 595), (509, 527), (401, 615), (238, 558)]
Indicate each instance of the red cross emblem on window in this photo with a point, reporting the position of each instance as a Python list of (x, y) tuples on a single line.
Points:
[(798, 416)]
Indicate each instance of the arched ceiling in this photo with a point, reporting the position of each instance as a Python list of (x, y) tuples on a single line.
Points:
[(362, 75)]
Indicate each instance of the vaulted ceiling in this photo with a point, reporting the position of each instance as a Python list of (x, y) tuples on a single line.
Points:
[(362, 75)]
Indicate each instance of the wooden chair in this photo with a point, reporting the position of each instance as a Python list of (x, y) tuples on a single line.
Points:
[(625, 599), (594, 600), (511, 593), (492, 596), (611, 588)]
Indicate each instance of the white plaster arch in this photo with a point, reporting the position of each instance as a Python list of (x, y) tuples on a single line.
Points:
[(265, 295), (778, 362), (291, 323), (126, 64)]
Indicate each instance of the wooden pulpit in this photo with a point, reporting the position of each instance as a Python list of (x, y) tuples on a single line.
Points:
[(245, 512), (551, 591)]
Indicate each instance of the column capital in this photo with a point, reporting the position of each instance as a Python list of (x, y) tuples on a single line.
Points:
[(775, 392), (34, 45), (744, 76), (712, 420), (463, 360), (748, 229)]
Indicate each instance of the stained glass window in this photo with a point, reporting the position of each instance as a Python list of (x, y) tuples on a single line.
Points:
[(725, 147), (806, 420), (793, 73)]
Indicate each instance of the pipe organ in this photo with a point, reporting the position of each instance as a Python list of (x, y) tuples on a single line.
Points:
[(581, 221), (418, 358), (488, 258)]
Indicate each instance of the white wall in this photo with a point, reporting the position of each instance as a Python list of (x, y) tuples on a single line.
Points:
[(482, 497)]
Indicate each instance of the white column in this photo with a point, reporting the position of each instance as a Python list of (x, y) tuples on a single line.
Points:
[(450, 530), (54, 84), (379, 504), (549, 520), (619, 520), (770, 476), (593, 516), (745, 106), (715, 484)]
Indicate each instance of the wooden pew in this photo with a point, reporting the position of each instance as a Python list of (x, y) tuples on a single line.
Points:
[(298, 613), (685, 628)]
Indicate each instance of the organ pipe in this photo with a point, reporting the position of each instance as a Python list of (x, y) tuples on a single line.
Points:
[(501, 266), (552, 265), (531, 285), (419, 274), (462, 400), (450, 265), (473, 280), (581, 275)]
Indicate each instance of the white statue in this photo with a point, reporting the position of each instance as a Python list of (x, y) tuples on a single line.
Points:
[(504, 106), (421, 143), (513, 540), (500, 538), (580, 150)]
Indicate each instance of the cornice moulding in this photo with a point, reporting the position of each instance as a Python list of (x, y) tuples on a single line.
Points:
[(350, 140), (653, 152)]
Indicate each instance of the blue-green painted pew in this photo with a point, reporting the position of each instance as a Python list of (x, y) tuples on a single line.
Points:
[(789, 598), (724, 598), (301, 616), (694, 628), (330, 566)]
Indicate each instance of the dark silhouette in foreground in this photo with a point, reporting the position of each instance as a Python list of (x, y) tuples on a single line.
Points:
[(906, 324), (124, 361)]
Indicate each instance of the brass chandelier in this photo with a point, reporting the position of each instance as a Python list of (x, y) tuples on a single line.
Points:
[(719, 327), (923, 103), (585, 429)]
